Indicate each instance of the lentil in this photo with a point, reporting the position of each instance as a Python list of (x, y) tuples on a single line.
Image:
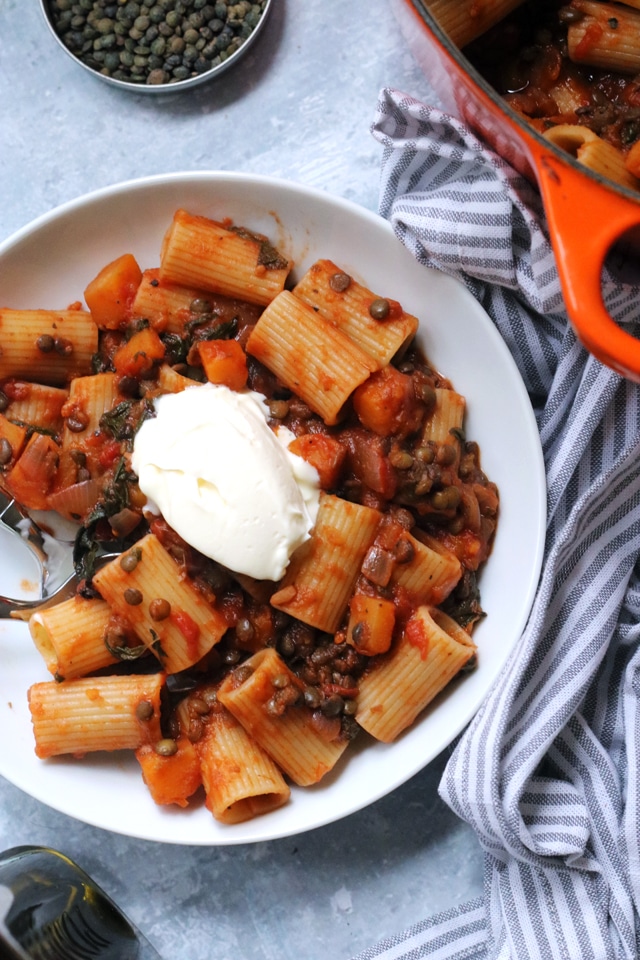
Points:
[(45, 343), (77, 422), (129, 561), (244, 630), (340, 282), (144, 710), (195, 729), (379, 309), (132, 596), (63, 346), (159, 609), (200, 35), (278, 409), (199, 706), (6, 452), (166, 747)]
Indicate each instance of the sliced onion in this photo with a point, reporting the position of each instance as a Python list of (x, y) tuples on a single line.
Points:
[(75, 501)]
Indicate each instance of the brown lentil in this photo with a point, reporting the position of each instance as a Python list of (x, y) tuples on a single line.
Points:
[(195, 729), (244, 630), (77, 422), (128, 386), (132, 596), (278, 409), (199, 705), (425, 454), (6, 452), (129, 561), (166, 747), (159, 609), (379, 308), (445, 455), (79, 457), (144, 710), (63, 346), (447, 499), (45, 343), (401, 459), (340, 282), (403, 550), (312, 698), (332, 706)]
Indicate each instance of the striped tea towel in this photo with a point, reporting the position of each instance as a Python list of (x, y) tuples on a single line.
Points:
[(547, 772)]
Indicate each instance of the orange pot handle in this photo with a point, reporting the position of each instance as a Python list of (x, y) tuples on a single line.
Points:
[(585, 219)]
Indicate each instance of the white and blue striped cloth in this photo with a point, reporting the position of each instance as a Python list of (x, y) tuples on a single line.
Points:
[(547, 773)]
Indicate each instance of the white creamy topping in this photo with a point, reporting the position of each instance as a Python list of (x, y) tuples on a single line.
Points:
[(226, 482)]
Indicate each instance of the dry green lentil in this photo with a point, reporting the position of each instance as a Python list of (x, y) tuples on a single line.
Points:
[(171, 40)]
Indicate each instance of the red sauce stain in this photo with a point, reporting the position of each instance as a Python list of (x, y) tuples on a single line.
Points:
[(416, 635), (188, 628)]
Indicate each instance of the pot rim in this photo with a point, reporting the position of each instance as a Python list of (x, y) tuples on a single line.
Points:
[(524, 128)]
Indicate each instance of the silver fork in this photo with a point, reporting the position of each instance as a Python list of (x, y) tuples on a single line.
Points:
[(58, 578)]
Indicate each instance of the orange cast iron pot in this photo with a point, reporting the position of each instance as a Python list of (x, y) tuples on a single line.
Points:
[(587, 214)]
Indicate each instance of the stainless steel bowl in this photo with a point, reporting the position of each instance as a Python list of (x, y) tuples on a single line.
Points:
[(170, 86)]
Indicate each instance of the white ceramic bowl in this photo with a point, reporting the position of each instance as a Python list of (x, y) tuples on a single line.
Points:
[(48, 264)]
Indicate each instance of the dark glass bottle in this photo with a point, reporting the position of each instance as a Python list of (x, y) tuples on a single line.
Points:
[(50, 909)]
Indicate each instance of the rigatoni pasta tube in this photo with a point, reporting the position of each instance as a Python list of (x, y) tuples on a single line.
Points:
[(297, 745), (603, 158), (448, 415), (347, 304), (433, 648), (169, 615), (70, 637), (322, 572), (240, 779), (167, 306), (309, 355), (198, 252), (89, 398), (48, 346), (464, 20), (429, 575), (593, 152), (607, 36), (97, 713), (36, 404)]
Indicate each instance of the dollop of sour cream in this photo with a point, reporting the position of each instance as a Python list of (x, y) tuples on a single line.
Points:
[(225, 481)]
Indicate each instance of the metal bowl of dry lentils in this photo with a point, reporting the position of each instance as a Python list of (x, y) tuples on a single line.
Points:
[(159, 46)]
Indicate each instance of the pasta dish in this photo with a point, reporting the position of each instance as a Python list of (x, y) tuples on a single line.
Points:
[(222, 682)]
